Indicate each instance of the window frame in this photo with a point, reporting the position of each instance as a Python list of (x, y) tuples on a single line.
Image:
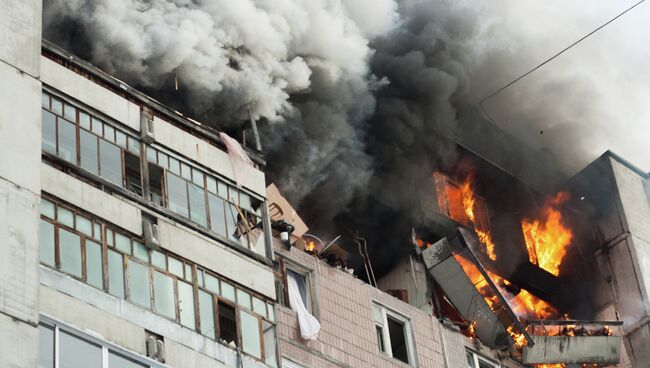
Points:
[(408, 333), (477, 359), (310, 281)]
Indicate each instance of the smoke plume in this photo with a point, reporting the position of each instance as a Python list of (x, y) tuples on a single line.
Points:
[(360, 100)]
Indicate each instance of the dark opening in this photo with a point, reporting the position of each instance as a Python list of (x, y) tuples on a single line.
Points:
[(397, 339), (156, 185), (227, 323), (133, 173)]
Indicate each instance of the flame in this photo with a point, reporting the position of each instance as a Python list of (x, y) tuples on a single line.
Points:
[(525, 304), (547, 239), (470, 206), (472, 329), (519, 338), (310, 246), (549, 365)]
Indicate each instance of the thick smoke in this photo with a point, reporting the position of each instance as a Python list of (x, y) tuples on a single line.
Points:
[(360, 99)]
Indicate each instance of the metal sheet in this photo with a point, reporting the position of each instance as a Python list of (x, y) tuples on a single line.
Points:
[(573, 349)]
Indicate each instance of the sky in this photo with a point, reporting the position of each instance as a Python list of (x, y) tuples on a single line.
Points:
[(592, 98)]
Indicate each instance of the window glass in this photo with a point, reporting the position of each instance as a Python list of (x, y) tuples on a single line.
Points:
[(186, 304), (197, 177), (94, 264), (163, 159), (377, 315), (140, 251), (199, 276), (231, 221), (139, 284), (57, 106), (88, 151), (227, 323), (244, 299), (227, 291), (45, 347), (212, 184), (197, 205), (163, 293), (175, 267), (470, 360), (222, 189), (206, 314), (70, 252), (110, 160), (259, 306), (45, 100), (134, 145), (250, 334), (151, 155), (109, 237), (174, 166), (46, 247), (120, 139), (118, 361), (177, 192), (122, 243), (78, 353), (84, 225), (65, 217), (70, 113), (158, 259), (109, 133), (233, 195), (67, 141), (212, 283), (484, 364), (188, 273), (48, 138), (84, 120), (268, 331), (97, 127), (115, 274), (217, 223), (244, 201), (271, 312), (186, 171), (47, 208), (396, 331), (97, 231)]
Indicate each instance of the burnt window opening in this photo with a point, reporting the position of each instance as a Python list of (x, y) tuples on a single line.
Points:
[(396, 331), (393, 334), (227, 323), (133, 173), (156, 185)]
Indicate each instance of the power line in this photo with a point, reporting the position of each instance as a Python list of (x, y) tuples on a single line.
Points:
[(556, 55)]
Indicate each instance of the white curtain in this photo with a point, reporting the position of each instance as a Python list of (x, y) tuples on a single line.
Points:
[(242, 166), (309, 325)]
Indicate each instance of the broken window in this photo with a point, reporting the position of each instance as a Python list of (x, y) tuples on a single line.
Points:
[(393, 334), (156, 185), (302, 281), (132, 173), (227, 323)]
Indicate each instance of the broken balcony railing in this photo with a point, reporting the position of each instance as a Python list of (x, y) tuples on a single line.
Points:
[(456, 269)]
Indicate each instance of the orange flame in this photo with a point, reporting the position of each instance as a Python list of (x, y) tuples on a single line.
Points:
[(470, 206), (547, 240), (310, 246), (519, 338)]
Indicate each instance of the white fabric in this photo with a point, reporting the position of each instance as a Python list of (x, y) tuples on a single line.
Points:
[(309, 325), (238, 159)]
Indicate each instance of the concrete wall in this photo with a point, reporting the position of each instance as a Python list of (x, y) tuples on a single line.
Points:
[(410, 274), (20, 136)]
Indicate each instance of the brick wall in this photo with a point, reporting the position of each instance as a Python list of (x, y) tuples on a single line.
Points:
[(347, 337)]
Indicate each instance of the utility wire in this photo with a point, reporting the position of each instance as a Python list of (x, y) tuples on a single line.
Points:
[(556, 55)]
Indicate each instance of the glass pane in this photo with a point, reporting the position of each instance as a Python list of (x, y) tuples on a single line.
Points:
[(470, 360), (268, 330), (222, 189), (84, 120), (397, 339), (206, 314), (484, 364), (110, 160), (45, 100), (67, 141), (243, 299), (48, 139), (186, 171), (57, 106), (88, 151), (176, 267), (188, 273), (134, 145), (151, 155), (197, 205), (377, 315), (271, 312), (70, 252), (212, 283), (65, 217), (212, 184), (47, 208), (120, 139), (186, 304), (118, 361), (231, 220), (163, 292), (77, 353), (115, 274), (45, 347), (177, 192), (199, 276), (109, 237), (140, 251), (94, 271), (197, 177), (217, 219), (84, 225), (158, 259), (259, 306), (109, 133), (163, 159), (122, 243), (139, 284), (46, 247), (97, 127), (70, 113), (97, 231), (245, 201), (174, 166), (250, 334), (227, 291)]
